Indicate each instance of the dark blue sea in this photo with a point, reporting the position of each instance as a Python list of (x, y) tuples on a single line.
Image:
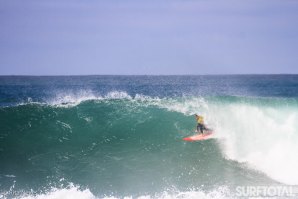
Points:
[(122, 136)]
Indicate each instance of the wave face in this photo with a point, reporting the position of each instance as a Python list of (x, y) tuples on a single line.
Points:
[(116, 136)]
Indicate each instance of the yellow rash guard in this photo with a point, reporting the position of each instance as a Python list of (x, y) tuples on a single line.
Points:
[(200, 120)]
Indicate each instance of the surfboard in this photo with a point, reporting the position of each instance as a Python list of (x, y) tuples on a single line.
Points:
[(198, 137)]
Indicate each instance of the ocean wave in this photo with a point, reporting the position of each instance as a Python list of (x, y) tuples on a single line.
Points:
[(263, 133)]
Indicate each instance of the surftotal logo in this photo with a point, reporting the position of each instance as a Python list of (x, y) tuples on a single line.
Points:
[(265, 191)]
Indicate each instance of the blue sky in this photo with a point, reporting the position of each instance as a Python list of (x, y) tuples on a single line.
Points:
[(47, 37)]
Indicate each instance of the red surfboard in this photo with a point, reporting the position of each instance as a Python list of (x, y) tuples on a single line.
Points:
[(198, 137)]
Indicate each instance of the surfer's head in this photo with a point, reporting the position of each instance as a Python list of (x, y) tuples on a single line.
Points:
[(199, 116)]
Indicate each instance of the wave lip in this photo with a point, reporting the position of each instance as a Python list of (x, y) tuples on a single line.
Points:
[(72, 99)]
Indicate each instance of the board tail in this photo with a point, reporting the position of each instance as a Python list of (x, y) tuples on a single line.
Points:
[(187, 139)]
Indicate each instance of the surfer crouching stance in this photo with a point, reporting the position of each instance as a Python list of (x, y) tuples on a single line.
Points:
[(200, 126)]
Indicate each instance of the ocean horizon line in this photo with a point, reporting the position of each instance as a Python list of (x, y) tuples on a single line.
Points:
[(224, 74)]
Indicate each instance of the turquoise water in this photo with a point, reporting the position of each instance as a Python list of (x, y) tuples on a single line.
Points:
[(121, 136)]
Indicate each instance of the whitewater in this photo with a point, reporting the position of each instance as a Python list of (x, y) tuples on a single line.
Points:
[(121, 136)]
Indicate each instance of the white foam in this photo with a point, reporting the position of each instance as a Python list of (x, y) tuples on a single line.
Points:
[(74, 192), (69, 99), (72, 98), (117, 95), (66, 193), (185, 106), (264, 137)]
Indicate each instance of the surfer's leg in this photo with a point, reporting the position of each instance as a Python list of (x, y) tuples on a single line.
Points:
[(205, 128), (202, 129)]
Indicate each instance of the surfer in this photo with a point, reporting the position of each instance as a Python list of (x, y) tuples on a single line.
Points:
[(200, 126)]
